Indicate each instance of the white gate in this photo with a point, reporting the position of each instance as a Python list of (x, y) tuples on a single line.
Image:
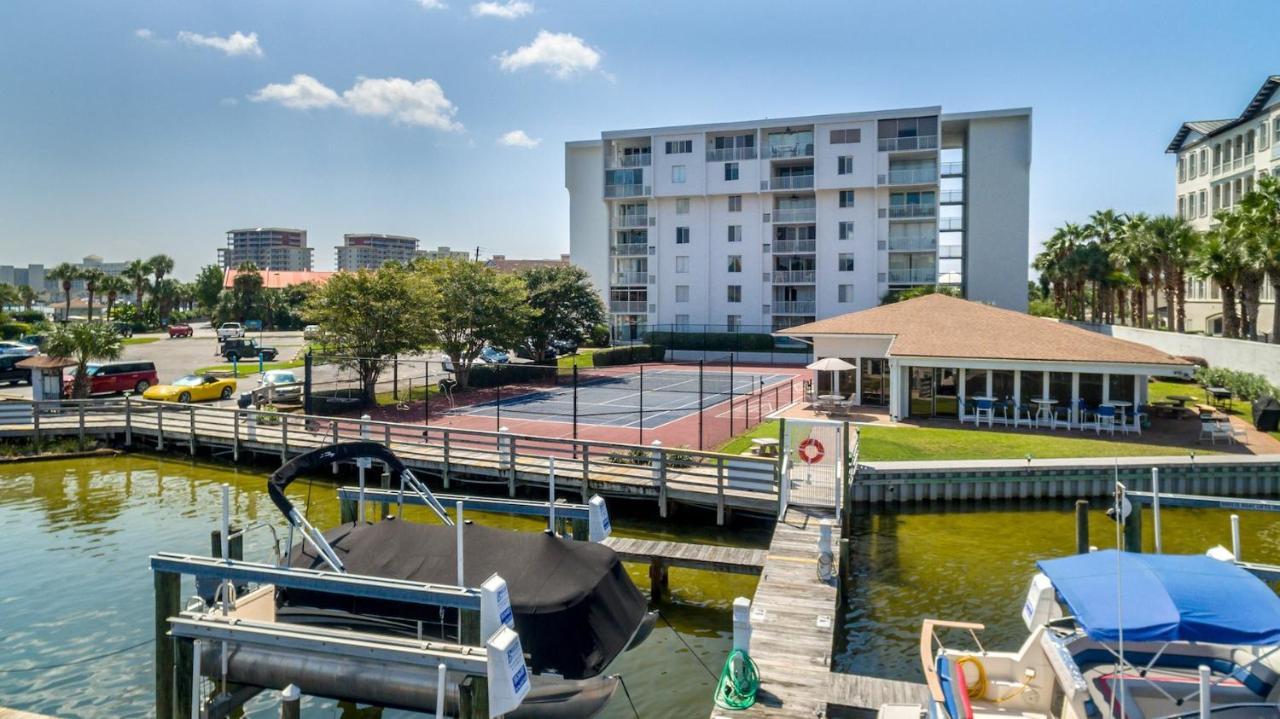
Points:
[(815, 462)]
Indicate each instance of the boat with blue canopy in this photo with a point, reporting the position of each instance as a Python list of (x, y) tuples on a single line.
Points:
[(1120, 634)]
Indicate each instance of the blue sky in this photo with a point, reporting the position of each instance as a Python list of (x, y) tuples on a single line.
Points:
[(128, 143)]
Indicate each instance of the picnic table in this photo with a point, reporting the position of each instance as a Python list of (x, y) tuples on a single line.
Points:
[(1180, 400), (1219, 395), (766, 446)]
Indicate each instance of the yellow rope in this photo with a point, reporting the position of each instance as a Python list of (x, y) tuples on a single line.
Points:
[(978, 688)]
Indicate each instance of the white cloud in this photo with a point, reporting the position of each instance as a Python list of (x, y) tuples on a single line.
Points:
[(303, 93), (509, 10), (421, 103), (518, 138), (562, 54), (143, 33), (237, 43), (433, 4)]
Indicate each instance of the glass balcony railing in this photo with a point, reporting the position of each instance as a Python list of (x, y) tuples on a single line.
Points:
[(628, 307), (900, 144), (791, 182), (790, 277), (953, 169), (630, 278), (630, 221), (912, 244), (620, 161), (914, 176), (731, 154), (908, 211), (913, 276), (625, 190), (951, 197), (951, 224), (629, 249), (796, 150), (795, 214), (795, 308), (793, 246)]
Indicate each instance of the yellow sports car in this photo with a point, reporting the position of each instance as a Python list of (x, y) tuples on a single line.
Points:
[(192, 388)]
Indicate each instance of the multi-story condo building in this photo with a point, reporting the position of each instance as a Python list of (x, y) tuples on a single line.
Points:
[(270, 248), (444, 253), (1218, 162), (765, 224), (35, 276), (369, 251)]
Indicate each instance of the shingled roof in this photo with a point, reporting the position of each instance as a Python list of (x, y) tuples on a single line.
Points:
[(943, 326)]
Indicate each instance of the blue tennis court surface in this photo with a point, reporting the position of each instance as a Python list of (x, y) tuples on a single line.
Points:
[(615, 400)]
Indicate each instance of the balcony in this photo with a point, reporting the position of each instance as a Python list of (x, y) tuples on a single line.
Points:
[(626, 307), (898, 212), (950, 252), (795, 214), (905, 144), (631, 278), (793, 277), (791, 182), (795, 308), (623, 222), (916, 176), (912, 244), (951, 224), (951, 197), (913, 276), (615, 162), (796, 150), (626, 190), (953, 169), (731, 154), (783, 247), (630, 249)]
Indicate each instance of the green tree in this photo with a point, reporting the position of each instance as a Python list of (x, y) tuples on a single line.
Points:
[(83, 342), (112, 288), (138, 273), (566, 306), (66, 274), (208, 287), (369, 316), (27, 295), (1219, 258), (474, 305), (1261, 209), (160, 265), (92, 278), (8, 296), (893, 296)]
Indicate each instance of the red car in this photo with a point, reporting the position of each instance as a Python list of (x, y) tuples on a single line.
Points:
[(114, 377), (183, 330)]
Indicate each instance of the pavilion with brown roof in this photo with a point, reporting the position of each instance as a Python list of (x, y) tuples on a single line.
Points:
[(932, 355)]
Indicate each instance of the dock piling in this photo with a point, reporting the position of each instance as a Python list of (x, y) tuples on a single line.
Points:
[(168, 587), (291, 702), (473, 698), (1082, 526), (1235, 536)]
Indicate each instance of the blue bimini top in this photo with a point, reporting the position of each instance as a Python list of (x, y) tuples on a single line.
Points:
[(1166, 598)]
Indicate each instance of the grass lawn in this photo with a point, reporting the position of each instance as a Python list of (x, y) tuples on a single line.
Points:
[(248, 368), (582, 359), (138, 340), (406, 395), (887, 444), (1161, 390)]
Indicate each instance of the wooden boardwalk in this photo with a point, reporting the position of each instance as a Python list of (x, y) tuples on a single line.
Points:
[(736, 560), (867, 694)]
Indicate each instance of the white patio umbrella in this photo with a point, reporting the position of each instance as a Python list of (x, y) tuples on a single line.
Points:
[(834, 365)]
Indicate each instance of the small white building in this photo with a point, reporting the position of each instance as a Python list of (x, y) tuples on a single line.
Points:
[(926, 356)]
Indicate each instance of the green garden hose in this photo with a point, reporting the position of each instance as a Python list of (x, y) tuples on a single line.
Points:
[(739, 681)]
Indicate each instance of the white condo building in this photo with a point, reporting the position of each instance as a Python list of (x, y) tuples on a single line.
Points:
[(270, 248), (367, 251), (766, 224), (1218, 162)]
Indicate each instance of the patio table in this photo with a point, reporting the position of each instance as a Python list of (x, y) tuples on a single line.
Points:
[(766, 446), (1181, 400), (830, 400), (1044, 408), (1221, 395)]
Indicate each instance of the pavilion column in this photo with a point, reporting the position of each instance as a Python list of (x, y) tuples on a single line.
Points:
[(1106, 387), (1017, 391), (895, 391), (1075, 397), (961, 392), (1140, 391), (1044, 386), (857, 380)]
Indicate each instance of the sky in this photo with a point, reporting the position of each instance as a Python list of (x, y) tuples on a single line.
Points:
[(132, 128)]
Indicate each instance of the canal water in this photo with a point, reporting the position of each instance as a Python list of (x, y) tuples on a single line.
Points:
[(76, 591)]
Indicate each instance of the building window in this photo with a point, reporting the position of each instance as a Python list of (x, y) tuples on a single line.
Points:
[(682, 293), (846, 198), (1204, 162), (730, 171), (735, 263), (682, 320), (1204, 203), (732, 323), (735, 293), (682, 205), (1191, 164), (735, 203), (682, 235), (1182, 170), (845, 165), (845, 293), (682, 265), (1275, 130), (1182, 207), (735, 233), (845, 262), (679, 147), (844, 137), (677, 174)]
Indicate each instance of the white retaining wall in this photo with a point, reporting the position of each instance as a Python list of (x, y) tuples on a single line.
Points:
[(1243, 355)]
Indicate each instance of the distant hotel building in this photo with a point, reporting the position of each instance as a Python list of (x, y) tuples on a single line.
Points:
[(1218, 162), (35, 276), (274, 248), (369, 251), (762, 225), (444, 253)]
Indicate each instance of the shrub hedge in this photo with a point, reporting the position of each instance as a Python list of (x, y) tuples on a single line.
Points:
[(628, 354), (1245, 385), (14, 330), (488, 375), (720, 341)]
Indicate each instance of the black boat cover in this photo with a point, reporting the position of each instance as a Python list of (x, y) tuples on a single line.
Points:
[(575, 606)]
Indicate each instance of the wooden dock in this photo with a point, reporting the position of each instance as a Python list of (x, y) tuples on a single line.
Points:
[(661, 556), (865, 695)]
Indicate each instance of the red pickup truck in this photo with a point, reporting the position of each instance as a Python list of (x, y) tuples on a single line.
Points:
[(182, 330)]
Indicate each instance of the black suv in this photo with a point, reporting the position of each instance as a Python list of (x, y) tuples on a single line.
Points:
[(12, 374), (235, 349)]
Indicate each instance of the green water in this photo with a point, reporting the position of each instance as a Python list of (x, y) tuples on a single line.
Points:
[(975, 563), (75, 585)]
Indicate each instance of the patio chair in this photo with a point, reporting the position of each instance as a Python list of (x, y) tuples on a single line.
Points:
[(1084, 411), (1134, 423), (1213, 430), (1024, 412), (1061, 417), (1104, 419), (984, 407)]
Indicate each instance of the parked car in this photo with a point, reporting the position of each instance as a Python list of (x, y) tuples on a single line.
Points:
[(494, 356), (524, 351), (311, 332), (12, 374), (193, 388), (36, 340), (116, 377), (564, 347), (19, 349), (180, 330), (124, 329), (280, 383), (229, 330), (238, 348)]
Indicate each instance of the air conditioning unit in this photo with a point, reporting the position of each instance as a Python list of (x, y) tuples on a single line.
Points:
[(881, 244), (764, 184), (766, 276), (766, 310), (653, 279), (880, 179), (648, 190), (882, 212), (653, 309), (766, 247), (653, 250), (653, 222), (881, 278), (768, 215)]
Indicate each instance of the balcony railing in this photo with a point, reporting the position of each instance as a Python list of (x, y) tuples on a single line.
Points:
[(791, 182), (630, 221), (795, 214), (730, 154), (951, 224), (900, 144), (913, 276), (621, 161), (796, 150), (622, 306), (950, 252), (906, 211), (951, 197), (795, 308), (630, 278), (916, 176), (953, 169), (912, 244), (790, 277), (625, 190), (791, 246), (629, 249)]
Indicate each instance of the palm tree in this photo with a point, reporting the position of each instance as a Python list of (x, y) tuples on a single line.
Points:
[(1058, 263), (27, 295), (160, 265), (1219, 259), (1262, 210), (92, 278), (138, 273), (1105, 227), (1173, 245), (113, 287), (84, 342), (67, 274), (8, 295)]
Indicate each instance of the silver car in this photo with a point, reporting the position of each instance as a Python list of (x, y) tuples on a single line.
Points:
[(22, 349), (281, 383)]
